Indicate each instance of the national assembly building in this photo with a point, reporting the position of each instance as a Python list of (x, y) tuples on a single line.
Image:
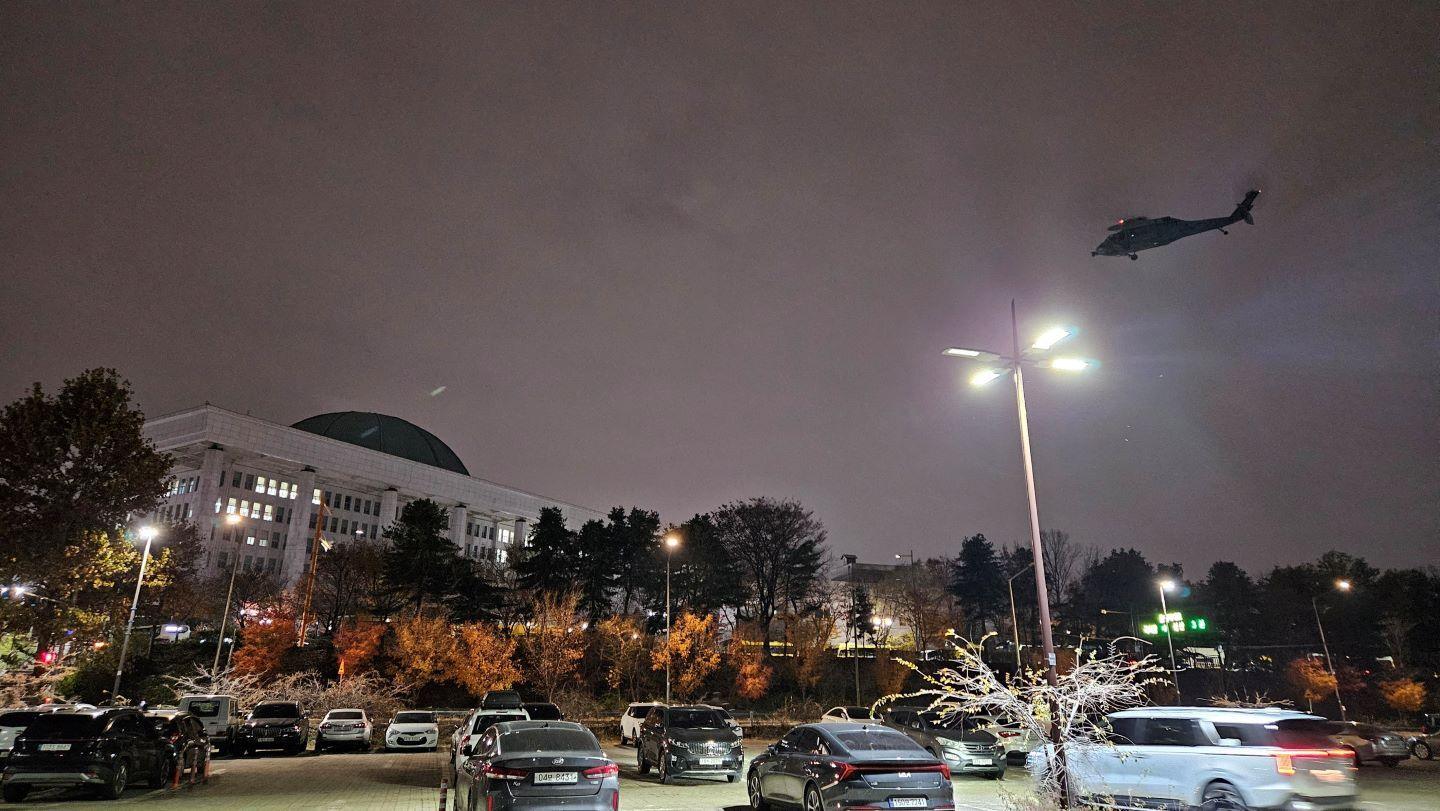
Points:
[(361, 467)]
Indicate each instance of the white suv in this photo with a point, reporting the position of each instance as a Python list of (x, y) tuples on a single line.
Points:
[(468, 733), (632, 719), (1161, 757)]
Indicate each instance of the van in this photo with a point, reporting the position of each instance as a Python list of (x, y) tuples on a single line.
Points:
[(219, 714)]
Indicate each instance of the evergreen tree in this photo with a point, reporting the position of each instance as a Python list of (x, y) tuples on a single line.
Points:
[(550, 560), (420, 562), (595, 578), (978, 583)]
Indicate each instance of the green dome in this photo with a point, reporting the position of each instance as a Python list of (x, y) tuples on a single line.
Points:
[(381, 432)]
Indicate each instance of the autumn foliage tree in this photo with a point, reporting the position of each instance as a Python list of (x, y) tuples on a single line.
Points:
[(484, 659), (426, 648), (692, 651), (810, 643), (621, 644), (752, 674), (1310, 679), (1403, 695), (554, 642), (265, 641), (356, 644)]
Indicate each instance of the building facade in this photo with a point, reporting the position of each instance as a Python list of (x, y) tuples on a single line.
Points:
[(339, 476)]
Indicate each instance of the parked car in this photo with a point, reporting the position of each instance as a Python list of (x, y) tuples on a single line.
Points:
[(186, 744), (1017, 739), (632, 719), (219, 714), (693, 740), (844, 715), (413, 729), (538, 765), (848, 765), (468, 733), (1371, 744), (1161, 757), (960, 740), (14, 722), (274, 725), (543, 711), (344, 727), (103, 750), (501, 700)]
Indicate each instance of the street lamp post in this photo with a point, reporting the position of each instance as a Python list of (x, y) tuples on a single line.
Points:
[(854, 626), (908, 555), (998, 366), (1014, 618), (1340, 585), (231, 520), (671, 541), (146, 534), (1164, 586), (1128, 613)]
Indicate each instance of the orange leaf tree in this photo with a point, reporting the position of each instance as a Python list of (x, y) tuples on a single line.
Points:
[(693, 652), (356, 644), (554, 642), (265, 641), (426, 649), (484, 659), (810, 639), (621, 645), (1310, 679), (752, 674), (1403, 695)]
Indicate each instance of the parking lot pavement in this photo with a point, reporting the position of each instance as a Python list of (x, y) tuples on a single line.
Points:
[(375, 781), (409, 781)]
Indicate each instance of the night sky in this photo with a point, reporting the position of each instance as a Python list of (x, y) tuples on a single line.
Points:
[(677, 254)]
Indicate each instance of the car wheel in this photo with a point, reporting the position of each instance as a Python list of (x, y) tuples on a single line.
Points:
[(641, 764), (1355, 758), (15, 792), (119, 779), (664, 768), (813, 801), (159, 776), (1222, 797), (1422, 750), (757, 797)]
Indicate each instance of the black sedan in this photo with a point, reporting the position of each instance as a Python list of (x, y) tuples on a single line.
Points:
[(820, 766)]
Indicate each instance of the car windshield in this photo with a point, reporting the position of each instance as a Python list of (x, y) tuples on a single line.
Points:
[(414, 718), (345, 715), (549, 740), (64, 726), (858, 712), (18, 719), (877, 740), (487, 720), (204, 709), (276, 711), (543, 712), (641, 711), (1301, 733), (954, 720), (696, 719)]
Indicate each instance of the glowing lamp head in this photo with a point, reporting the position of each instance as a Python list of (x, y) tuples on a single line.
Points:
[(672, 540), (1051, 337), (232, 519), (147, 533), (958, 352), (1167, 585), (985, 376), (1342, 585), (1069, 364)]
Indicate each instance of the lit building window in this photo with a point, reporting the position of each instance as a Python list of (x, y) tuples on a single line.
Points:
[(259, 484), (230, 505), (269, 512), (217, 506), (272, 487), (315, 499), (249, 540)]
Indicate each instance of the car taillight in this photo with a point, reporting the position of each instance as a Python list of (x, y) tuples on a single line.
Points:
[(607, 770), (945, 770), (501, 773), (1285, 761)]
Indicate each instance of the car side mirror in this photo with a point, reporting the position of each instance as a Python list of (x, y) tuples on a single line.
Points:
[(1229, 741), (468, 749)]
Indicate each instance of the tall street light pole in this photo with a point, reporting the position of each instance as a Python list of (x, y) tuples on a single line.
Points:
[(1164, 586), (231, 520), (1014, 618), (1340, 585), (854, 625), (997, 366), (146, 534), (671, 541)]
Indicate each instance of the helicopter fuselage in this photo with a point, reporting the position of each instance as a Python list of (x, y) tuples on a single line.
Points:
[(1153, 233)]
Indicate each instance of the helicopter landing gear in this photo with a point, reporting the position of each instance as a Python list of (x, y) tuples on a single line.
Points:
[(1133, 257), (1223, 231)]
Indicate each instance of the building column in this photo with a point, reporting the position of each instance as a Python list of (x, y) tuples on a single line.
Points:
[(298, 531), (206, 521), (521, 538), (389, 505), (458, 515)]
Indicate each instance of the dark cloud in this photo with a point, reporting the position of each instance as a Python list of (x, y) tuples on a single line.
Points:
[(677, 254)]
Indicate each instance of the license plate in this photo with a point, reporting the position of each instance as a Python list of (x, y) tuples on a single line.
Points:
[(907, 802), (982, 761), (552, 778), (54, 747), (711, 761), (265, 740)]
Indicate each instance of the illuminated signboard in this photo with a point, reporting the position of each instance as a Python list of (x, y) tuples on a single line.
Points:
[(1174, 623)]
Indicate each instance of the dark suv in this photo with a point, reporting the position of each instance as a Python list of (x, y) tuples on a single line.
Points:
[(103, 749), (691, 740), (274, 725)]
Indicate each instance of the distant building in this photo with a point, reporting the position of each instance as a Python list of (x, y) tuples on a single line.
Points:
[(362, 467)]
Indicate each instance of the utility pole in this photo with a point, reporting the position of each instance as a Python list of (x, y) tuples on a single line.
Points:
[(854, 625), (310, 577), (147, 534)]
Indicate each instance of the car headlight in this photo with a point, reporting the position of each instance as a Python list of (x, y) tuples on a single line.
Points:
[(678, 744)]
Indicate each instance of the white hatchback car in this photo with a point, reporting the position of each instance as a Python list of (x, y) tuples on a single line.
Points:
[(632, 719), (344, 727), (468, 733), (413, 729), (1164, 757), (846, 715)]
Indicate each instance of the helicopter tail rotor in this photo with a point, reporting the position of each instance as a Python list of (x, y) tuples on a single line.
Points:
[(1242, 211)]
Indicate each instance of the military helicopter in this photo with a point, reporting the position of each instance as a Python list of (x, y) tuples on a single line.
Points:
[(1135, 234)]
